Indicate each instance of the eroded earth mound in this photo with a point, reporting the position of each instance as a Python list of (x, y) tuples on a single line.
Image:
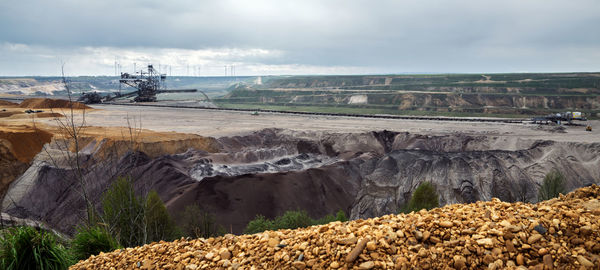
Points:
[(562, 232), (47, 189), (18, 147), (48, 103), (271, 171)]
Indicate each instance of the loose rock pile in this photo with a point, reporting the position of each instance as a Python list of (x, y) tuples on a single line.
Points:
[(562, 232)]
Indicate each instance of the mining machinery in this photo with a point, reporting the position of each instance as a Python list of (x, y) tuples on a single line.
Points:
[(91, 98), (558, 118), (147, 84)]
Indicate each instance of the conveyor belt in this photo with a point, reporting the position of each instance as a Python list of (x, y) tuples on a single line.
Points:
[(378, 116)]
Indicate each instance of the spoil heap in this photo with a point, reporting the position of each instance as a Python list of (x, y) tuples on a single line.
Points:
[(47, 103), (561, 232), (23, 141), (18, 147)]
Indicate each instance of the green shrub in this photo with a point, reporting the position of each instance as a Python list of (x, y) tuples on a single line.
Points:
[(259, 224), (27, 248), (133, 220), (196, 222), (159, 224), (293, 220), (91, 241), (424, 197), (290, 220), (341, 216), (554, 184), (124, 213)]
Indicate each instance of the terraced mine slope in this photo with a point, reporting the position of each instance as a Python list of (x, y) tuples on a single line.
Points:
[(444, 94), (559, 233), (20, 139), (268, 172)]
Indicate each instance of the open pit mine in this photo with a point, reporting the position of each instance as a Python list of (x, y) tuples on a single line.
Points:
[(237, 166)]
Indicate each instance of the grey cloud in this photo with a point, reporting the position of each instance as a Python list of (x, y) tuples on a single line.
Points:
[(399, 36)]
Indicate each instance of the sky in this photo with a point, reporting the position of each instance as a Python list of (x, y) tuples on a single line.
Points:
[(284, 37)]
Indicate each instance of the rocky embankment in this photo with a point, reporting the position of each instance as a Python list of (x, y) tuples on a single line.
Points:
[(559, 233)]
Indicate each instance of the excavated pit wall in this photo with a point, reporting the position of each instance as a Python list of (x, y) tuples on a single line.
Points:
[(365, 174)]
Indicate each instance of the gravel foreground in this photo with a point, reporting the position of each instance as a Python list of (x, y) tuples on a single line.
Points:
[(559, 233)]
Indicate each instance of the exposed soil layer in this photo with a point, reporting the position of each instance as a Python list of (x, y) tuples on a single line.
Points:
[(47, 103), (508, 94), (12, 112), (24, 142), (47, 190), (10, 167), (18, 146), (105, 143), (373, 174), (7, 103), (562, 232), (425, 101)]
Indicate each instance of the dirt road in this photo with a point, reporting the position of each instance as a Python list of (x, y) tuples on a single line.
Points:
[(226, 123)]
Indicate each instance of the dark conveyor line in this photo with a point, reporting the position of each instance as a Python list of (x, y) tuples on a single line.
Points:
[(404, 117)]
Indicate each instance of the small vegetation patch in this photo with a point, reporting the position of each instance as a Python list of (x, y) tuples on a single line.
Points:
[(91, 241), (424, 197), (135, 220), (197, 222), (554, 185), (290, 220), (28, 248)]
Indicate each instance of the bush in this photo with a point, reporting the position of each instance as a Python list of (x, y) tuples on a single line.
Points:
[(293, 220), (124, 213), (290, 220), (159, 224), (28, 248), (197, 222), (91, 241), (424, 197), (341, 216), (133, 220), (554, 184), (259, 224)]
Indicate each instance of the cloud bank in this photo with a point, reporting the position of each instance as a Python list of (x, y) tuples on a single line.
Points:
[(299, 37)]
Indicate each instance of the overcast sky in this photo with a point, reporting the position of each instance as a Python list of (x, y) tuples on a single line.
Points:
[(298, 37)]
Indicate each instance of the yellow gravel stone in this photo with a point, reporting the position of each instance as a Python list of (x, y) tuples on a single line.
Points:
[(493, 235)]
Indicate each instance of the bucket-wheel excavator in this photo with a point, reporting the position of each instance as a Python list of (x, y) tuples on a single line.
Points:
[(147, 84)]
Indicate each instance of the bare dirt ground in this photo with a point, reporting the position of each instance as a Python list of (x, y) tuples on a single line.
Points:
[(225, 123), (456, 150)]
